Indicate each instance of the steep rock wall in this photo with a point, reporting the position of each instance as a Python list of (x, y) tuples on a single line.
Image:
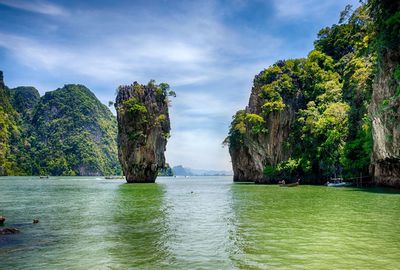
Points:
[(385, 114), (143, 130), (268, 147), (385, 105)]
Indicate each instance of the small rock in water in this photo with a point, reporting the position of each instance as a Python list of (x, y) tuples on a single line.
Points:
[(35, 221), (8, 231), (2, 219)]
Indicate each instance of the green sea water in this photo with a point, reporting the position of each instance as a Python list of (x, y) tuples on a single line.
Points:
[(196, 223)]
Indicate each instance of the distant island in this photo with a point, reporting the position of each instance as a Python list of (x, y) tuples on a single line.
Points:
[(184, 171)]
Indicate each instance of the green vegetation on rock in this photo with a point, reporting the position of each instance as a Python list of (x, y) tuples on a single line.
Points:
[(143, 129), (66, 132), (9, 131), (317, 105)]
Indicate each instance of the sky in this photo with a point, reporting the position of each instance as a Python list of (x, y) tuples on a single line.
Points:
[(208, 51)]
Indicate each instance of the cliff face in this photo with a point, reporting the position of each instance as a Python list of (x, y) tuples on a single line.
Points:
[(143, 130), (24, 100), (385, 106), (9, 130), (267, 146), (76, 133), (66, 132), (385, 112), (308, 118)]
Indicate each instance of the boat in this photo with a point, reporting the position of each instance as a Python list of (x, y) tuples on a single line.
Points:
[(44, 177), (337, 182), (114, 177), (283, 184)]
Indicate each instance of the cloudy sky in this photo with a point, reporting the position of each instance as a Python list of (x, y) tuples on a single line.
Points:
[(208, 51)]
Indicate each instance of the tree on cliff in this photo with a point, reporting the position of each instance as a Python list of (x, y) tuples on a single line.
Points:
[(143, 129), (315, 110)]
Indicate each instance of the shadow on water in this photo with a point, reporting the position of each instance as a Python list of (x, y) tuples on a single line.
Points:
[(380, 190), (139, 230)]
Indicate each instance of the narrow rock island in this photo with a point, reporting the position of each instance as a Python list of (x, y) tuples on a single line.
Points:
[(143, 129)]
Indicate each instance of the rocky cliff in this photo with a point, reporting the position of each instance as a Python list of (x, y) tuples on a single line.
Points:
[(66, 132), (385, 105), (143, 130), (9, 130), (307, 118), (75, 134), (261, 137), (24, 99)]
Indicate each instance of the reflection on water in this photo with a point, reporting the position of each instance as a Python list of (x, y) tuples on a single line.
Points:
[(140, 233), (195, 223), (200, 218), (311, 227)]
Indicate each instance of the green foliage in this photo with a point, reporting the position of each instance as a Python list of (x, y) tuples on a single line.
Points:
[(274, 101), (397, 73), (293, 167), (357, 152), (255, 122), (133, 106), (323, 135), (9, 133), (171, 93), (386, 16), (330, 91), (269, 170), (161, 118), (24, 100), (163, 91), (244, 122), (237, 129), (351, 35), (66, 132), (145, 110)]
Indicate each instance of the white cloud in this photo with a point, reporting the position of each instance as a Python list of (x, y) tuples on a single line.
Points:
[(119, 49), (41, 7), (210, 64), (122, 59)]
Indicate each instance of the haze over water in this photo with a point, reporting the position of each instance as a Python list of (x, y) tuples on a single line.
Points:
[(195, 223)]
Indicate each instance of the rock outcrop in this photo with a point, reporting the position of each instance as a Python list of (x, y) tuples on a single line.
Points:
[(9, 131), (143, 130), (324, 116), (385, 105), (66, 132), (76, 134), (252, 151), (1, 79), (24, 100), (385, 113), (6, 231), (2, 220)]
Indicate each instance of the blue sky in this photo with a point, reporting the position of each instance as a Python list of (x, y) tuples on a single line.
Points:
[(208, 51)]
